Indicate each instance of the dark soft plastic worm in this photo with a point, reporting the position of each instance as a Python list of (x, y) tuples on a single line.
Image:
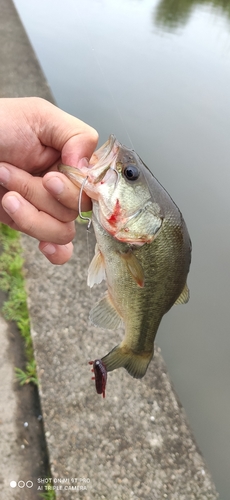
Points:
[(100, 373)]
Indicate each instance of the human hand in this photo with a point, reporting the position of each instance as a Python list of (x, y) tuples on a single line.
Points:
[(35, 137)]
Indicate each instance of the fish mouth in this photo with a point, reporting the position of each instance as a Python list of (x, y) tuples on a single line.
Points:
[(101, 161), (102, 168), (105, 158), (106, 152)]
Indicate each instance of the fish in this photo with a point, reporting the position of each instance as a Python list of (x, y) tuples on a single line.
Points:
[(143, 251)]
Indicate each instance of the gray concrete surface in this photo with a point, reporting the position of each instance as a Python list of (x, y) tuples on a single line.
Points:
[(23, 451), (20, 73), (11, 466), (134, 444)]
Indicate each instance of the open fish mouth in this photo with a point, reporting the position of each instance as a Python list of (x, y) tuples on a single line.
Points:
[(106, 152), (102, 160)]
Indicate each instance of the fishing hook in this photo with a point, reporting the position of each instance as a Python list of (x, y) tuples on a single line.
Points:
[(79, 205), (115, 170)]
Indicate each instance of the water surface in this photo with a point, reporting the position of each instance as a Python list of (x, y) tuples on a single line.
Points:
[(157, 74)]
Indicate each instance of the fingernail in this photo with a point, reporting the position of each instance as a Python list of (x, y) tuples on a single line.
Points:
[(11, 204), (84, 162), (4, 175), (55, 185), (49, 249)]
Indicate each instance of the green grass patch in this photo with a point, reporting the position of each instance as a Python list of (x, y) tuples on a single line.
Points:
[(48, 495), (15, 307), (86, 215)]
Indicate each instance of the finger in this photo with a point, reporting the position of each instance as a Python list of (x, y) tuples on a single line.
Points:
[(40, 225), (46, 132), (81, 145), (32, 189), (4, 217), (67, 193), (56, 254), (65, 133)]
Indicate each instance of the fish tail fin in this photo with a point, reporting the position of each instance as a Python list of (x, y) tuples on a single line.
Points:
[(122, 356)]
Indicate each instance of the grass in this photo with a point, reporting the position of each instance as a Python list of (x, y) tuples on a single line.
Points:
[(86, 216), (15, 306), (48, 495)]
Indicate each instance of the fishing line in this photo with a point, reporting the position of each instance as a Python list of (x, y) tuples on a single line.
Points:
[(108, 88), (106, 83), (88, 256)]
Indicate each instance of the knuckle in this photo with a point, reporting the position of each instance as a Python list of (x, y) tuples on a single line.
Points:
[(27, 226), (69, 215), (25, 190), (68, 233)]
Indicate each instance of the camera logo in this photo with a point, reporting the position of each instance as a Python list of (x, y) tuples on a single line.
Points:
[(21, 484)]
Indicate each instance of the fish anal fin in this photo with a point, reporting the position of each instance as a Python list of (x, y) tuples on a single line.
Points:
[(96, 271), (104, 314), (134, 267), (184, 296)]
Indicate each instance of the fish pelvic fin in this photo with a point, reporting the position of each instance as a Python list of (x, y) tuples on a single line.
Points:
[(136, 364), (96, 271), (104, 314)]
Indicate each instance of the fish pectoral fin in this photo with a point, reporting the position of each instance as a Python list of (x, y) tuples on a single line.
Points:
[(104, 314), (184, 296), (134, 267), (96, 271)]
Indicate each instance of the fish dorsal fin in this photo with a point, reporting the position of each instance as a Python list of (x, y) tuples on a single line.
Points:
[(96, 271), (184, 296), (104, 314), (134, 267)]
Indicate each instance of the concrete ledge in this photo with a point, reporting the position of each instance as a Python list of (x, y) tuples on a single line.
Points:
[(21, 74), (137, 442)]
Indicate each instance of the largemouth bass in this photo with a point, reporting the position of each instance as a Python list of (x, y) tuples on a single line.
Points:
[(143, 252)]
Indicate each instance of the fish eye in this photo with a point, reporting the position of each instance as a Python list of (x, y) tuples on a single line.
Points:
[(131, 172)]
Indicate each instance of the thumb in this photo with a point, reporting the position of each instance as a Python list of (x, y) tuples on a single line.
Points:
[(64, 132), (79, 146)]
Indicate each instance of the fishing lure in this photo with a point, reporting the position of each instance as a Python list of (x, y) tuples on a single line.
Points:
[(100, 373)]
